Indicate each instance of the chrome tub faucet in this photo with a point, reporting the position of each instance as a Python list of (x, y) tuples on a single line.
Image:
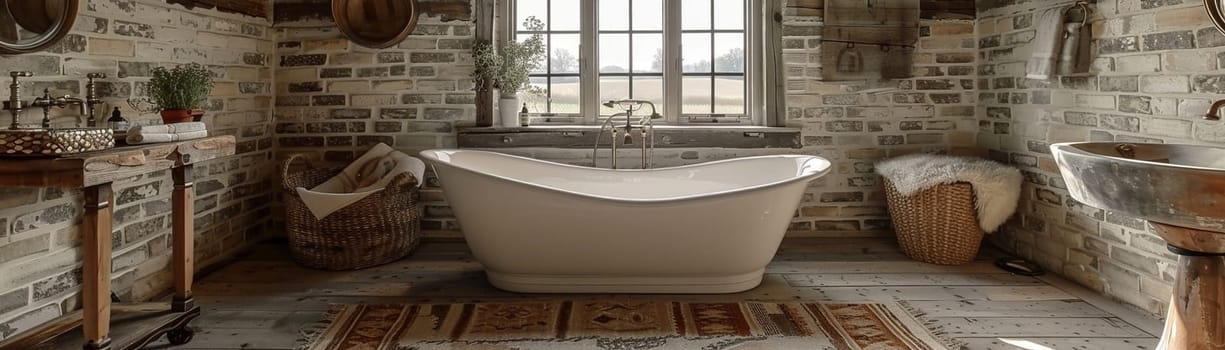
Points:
[(646, 128)]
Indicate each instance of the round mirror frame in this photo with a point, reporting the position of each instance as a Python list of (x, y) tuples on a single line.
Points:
[(1214, 8), (341, 14), (57, 31)]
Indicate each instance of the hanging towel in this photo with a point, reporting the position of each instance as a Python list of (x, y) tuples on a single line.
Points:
[(997, 187), (370, 173), (136, 138), (177, 128), (1071, 46), (1047, 43)]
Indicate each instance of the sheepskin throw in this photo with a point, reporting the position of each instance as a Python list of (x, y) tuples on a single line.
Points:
[(997, 187)]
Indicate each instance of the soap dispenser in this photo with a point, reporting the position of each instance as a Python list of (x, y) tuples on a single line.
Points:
[(116, 122)]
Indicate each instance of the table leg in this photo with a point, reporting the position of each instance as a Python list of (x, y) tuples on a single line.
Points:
[(184, 238), (97, 267)]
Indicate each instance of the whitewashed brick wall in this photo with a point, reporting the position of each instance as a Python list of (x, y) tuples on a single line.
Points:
[(40, 255), (1155, 72)]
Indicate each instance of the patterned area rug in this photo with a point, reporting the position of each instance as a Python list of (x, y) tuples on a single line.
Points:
[(622, 324)]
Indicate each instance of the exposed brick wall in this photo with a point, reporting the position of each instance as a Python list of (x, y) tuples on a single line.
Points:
[(1154, 75), (40, 254), (855, 124), (336, 99)]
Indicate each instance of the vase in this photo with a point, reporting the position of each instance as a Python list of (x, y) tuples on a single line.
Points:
[(508, 110), (172, 116)]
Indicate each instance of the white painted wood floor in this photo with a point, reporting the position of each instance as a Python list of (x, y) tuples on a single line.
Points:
[(262, 300)]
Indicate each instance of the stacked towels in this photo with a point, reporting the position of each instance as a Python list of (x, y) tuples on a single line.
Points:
[(166, 133)]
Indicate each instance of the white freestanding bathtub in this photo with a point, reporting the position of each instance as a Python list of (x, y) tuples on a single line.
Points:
[(543, 227)]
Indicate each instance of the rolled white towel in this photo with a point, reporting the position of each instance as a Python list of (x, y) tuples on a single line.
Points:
[(139, 138), (177, 128)]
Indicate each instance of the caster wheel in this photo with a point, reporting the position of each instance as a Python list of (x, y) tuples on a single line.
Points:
[(180, 336)]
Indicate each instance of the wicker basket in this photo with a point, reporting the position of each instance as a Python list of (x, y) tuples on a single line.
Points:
[(378, 229), (938, 225)]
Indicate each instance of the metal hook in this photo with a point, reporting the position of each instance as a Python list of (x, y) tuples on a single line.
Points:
[(1084, 9), (850, 45)]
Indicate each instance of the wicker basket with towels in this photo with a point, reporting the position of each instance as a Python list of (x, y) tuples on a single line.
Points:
[(334, 230), (942, 206)]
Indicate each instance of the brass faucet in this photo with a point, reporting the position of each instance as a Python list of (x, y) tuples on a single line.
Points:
[(91, 97), (14, 104), (46, 102), (1212, 111)]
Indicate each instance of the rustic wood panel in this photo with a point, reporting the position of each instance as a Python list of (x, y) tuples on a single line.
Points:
[(254, 8), (929, 9), (285, 11), (869, 41)]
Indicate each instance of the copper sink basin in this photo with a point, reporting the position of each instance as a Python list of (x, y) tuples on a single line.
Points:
[(1179, 185)]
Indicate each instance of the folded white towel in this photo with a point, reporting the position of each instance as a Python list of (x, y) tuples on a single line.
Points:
[(135, 138), (1047, 42), (177, 128), (370, 173)]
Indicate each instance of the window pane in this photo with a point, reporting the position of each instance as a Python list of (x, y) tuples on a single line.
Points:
[(563, 52), (695, 53), (565, 95), (729, 95), (729, 53), (695, 95), (730, 14), (695, 14), (648, 15), (565, 15), (614, 14), (613, 88), (650, 89), (531, 8), (536, 95), (541, 68), (648, 53), (614, 58)]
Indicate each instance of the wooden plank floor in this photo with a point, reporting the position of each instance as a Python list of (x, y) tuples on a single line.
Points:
[(264, 299)]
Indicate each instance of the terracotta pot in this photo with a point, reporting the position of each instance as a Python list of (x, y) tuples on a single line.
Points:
[(171, 116)]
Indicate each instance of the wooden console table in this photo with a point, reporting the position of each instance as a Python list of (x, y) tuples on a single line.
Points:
[(133, 325)]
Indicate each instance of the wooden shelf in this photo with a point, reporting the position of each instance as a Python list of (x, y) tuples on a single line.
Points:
[(132, 325)]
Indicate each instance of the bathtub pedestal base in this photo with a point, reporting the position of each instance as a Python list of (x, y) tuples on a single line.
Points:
[(540, 283)]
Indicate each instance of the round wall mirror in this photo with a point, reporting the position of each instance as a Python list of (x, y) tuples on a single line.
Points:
[(375, 23), (30, 26), (1214, 11)]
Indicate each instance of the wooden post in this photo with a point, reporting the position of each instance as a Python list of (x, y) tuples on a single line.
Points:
[(97, 270), (184, 238), (484, 31)]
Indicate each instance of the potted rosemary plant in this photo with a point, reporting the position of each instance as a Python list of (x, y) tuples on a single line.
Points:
[(176, 91), (508, 69)]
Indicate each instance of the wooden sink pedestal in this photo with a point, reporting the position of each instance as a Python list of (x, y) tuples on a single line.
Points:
[(1196, 319)]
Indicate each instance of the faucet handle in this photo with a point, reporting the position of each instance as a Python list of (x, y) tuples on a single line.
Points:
[(96, 75), (21, 74)]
